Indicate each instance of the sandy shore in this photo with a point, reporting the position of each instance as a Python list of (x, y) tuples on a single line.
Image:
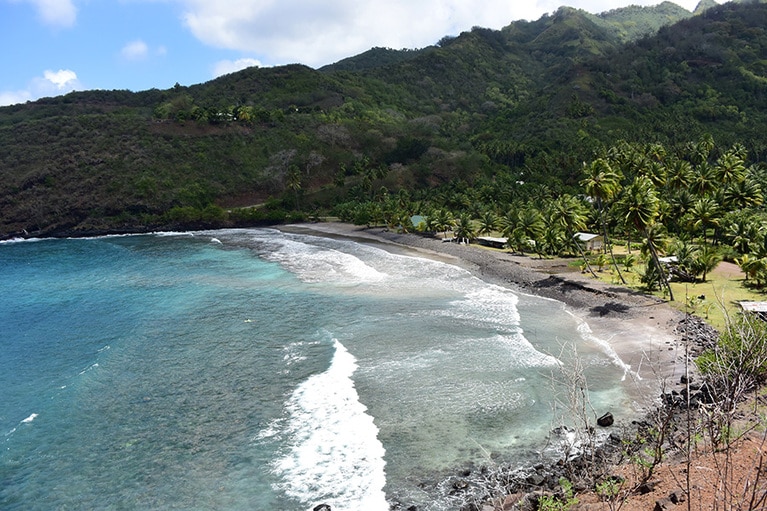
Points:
[(638, 328)]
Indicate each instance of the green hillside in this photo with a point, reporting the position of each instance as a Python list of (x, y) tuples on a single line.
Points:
[(481, 110)]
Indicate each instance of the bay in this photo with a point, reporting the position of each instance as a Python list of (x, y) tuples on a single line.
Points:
[(255, 369)]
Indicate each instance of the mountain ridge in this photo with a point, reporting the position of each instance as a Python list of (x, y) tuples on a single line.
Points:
[(533, 99)]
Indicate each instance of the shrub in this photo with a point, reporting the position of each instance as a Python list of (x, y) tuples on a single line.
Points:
[(738, 362)]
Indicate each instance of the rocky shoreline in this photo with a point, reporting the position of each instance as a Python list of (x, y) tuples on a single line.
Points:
[(505, 487)]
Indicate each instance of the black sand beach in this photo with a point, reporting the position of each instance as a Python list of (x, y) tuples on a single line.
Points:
[(641, 329)]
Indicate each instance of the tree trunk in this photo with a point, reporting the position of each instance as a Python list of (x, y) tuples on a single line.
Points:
[(661, 271), (583, 254), (609, 246)]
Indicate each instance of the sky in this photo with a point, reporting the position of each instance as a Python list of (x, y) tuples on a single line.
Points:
[(52, 47)]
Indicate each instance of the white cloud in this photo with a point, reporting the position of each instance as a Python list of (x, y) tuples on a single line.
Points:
[(63, 79), (317, 33), (224, 67), (57, 13), (52, 83), (135, 50), (14, 97)]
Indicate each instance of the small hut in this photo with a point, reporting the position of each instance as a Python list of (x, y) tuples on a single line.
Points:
[(591, 242), (492, 242), (757, 308)]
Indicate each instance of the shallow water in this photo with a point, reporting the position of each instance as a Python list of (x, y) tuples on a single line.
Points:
[(253, 369)]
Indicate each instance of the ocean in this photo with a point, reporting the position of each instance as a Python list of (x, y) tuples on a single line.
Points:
[(260, 370)]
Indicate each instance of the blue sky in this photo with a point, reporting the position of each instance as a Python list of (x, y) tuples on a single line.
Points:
[(55, 46)]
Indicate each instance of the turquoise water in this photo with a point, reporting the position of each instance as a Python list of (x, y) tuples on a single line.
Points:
[(258, 370)]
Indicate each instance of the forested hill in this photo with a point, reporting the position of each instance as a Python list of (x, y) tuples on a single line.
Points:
[(530, 102)]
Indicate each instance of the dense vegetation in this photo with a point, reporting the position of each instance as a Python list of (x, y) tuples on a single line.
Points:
[(485, 121)]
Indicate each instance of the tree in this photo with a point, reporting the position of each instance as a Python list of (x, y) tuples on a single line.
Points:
[(488, 222), (679, 174), (294, 182), (754, 267), (730, 167), (568, 213), (705, 213), (443, 221), (704, 179), (508, 222), (742, 230), (530, 228), (464, 227), (640, 205), (743, 194), (603, 184), (706, 259)]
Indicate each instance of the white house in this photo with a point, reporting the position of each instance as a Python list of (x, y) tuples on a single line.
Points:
[(590, 241)]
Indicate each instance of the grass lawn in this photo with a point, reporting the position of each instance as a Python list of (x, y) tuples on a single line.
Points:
[(716, 298), (712, 300)]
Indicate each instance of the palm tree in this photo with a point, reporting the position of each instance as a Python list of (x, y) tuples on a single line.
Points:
[(742, 231), (443, 221), (704, 179), (628, 261), (679, 174), (568, 213), (488, 222), (704, 214), (751, 265), (654, 170), (554, 239), (730, 167), (530, 228), (430, 224), (742, 194), (464, 228), (508, 222), (640, 204), (294, 182), (680, 202), (706, 259), (603, 184), (700, 152)]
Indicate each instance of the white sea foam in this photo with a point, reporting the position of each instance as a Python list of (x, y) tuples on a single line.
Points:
[(170, 233), (13, 241), (319, 264), (586, 333), (294, 353), (29, 419), (488, 305), (273, 429), (525, 353), (93, 366), (335, 456)]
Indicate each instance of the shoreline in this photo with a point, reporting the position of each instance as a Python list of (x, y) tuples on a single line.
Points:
[(634, 329), (641, 330)]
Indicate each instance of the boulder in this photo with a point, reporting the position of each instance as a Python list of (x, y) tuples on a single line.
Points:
[(677, 496), (606, 420)]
